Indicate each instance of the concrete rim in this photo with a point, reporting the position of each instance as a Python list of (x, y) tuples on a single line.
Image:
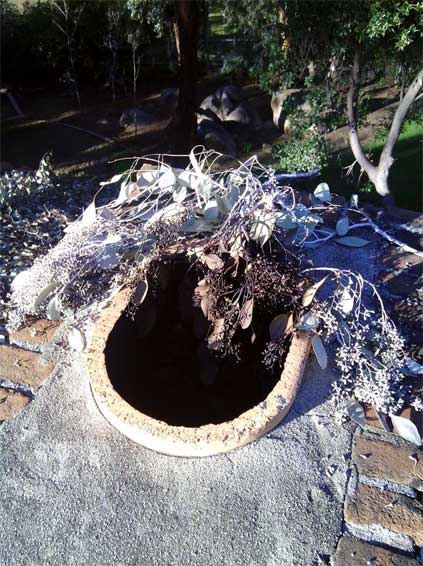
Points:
[(201, 441)]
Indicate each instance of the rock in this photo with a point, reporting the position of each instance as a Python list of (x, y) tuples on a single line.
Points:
[(223, 116), (214, 136), (135, 117), (34, 334), (280, 102), (241, 115), (398, 513), (23, 367), (11, 403), (389, 462), (353, 552)]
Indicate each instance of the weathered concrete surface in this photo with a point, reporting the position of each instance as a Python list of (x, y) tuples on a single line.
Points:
[(74, 491)]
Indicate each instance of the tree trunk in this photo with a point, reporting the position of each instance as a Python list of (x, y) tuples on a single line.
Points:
[(379, 174), (184, 126)]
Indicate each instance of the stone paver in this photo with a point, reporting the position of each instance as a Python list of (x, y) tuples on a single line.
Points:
[(398, 513), (11, 403), (23, 367), (353, 552), (399, 464), (35, 334)]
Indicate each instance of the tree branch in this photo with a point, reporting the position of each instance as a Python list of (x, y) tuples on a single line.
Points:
[(352, 102), (400, 115)]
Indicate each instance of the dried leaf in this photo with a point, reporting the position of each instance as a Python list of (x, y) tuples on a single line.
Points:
[(218, 330), (202, 289), (406, 429), (322, 192), (311, 292), (45, 293), (140, 293), (278, 326), (319, 351), (355, 412), (352, 241), (213, 261), (246, 314), (342, 226), (76, 339), (205, 302), (53, 309)]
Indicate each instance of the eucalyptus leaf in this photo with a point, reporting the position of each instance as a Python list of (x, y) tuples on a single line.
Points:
[(20, 280), (311, 292), (231, 198), (413, 366), (319, 351), (322, 192), (246, 314), (406, 429), (342, 226), (179, 194), (354, 201), (148, 177), (278, 326), (89, 215), (112, 239), (76, 339), (352, 241), (346, 303), (140, 293), (211, 211), (45, 293), (108, 260), (262, 226), (194, 225), (355, 412), (188, 179), (53, 309), (167, 181), (286, 221), (114, 179), (308, 321)]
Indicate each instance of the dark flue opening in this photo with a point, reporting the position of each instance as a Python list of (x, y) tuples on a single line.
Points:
[(158, 360)]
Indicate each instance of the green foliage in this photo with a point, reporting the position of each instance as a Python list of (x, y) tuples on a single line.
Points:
[(302, 154)]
